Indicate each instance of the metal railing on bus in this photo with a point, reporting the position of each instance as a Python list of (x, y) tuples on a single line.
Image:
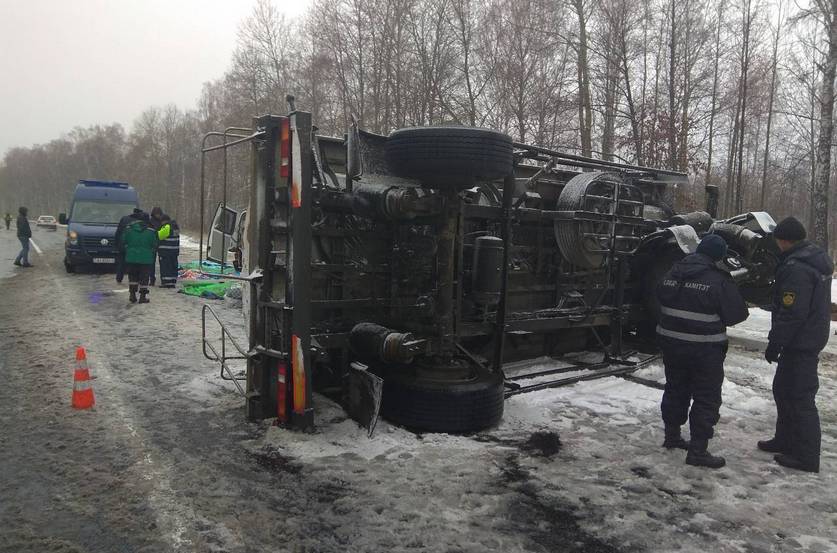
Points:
[(234, 133)]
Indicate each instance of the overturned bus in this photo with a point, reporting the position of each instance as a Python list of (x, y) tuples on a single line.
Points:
[(430, 257)]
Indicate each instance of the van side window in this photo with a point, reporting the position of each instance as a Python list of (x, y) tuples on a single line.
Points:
[(226, 222)]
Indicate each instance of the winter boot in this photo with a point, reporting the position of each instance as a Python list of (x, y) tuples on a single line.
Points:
[(132, 290), (144, 296), (673, 439), (793, 463), (698, 455), (771, 446)]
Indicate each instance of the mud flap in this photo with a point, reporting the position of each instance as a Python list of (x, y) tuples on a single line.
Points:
[(364, 396)]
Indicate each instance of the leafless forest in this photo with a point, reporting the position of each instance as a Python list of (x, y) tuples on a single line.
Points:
[(739, 93)]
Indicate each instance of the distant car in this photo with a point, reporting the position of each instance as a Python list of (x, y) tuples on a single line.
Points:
[(47, 222)]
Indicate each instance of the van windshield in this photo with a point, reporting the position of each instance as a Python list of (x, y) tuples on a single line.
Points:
[(104, 213)]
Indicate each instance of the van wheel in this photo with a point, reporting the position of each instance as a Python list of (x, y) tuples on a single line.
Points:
[(449, 157), (428, 403), (69, 267)]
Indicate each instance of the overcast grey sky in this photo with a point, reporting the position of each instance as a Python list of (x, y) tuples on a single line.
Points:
[(67, 63)]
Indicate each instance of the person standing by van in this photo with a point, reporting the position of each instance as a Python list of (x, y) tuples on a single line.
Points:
[(156, 223), (168, 251), (137, 215), (140, 241), (24, 233)]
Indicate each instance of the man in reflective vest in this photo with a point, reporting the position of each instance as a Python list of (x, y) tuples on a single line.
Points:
[(167, 251), (697, 302), (156, 223), (800, 325)]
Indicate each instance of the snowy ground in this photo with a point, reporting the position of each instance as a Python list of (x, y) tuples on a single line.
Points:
[(167, 462)]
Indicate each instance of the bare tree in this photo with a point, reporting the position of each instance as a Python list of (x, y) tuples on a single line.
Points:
[(585, 103), (826, 12), (713, 109), (773, 73)]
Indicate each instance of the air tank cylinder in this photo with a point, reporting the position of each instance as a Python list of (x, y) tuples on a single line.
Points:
[(487, 272)]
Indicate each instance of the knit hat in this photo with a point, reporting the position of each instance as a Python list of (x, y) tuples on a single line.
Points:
[(790, 229), (714, 246)]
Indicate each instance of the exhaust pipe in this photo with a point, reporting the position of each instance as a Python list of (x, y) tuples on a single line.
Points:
[(712, 195)]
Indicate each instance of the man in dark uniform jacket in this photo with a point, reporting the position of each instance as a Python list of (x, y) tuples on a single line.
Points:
[(697, 302), (799, 331)]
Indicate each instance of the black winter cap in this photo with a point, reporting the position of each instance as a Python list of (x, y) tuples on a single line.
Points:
[(714, 246), (790, 229)]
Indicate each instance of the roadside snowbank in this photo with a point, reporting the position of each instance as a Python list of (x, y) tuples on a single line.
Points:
[(189, 243)]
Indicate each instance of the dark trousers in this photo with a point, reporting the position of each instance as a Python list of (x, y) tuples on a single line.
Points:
[(120, 266), (168, 269), (138, 277), (23, 256), (797, 419), (8, 223), (694, 375), (152, 275)]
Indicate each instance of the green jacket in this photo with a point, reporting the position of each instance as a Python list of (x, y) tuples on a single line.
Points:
[(140, 243)]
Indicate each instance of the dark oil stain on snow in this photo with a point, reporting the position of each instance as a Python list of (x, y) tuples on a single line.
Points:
[(276, 462), (550, 526), (642, 472), (542, 444), (511, 471), (539, 444)]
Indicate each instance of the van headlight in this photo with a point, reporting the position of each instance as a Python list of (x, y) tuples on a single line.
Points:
[(72, 237)]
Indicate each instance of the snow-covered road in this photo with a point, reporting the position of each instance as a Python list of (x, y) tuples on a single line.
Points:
[(167, 462)]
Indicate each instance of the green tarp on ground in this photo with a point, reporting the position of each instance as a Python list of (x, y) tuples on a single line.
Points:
[(211, 289), (208, 267), (194, 281)]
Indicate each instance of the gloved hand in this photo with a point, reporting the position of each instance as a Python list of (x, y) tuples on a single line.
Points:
[(771, 354)]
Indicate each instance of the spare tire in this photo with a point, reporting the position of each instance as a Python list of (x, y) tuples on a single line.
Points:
[(452, 406), (449, 156), (571, 234)]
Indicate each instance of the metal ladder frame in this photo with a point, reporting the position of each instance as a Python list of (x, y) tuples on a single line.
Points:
[(222, 358)]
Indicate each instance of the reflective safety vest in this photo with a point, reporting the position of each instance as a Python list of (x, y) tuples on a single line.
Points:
[(171, 244)]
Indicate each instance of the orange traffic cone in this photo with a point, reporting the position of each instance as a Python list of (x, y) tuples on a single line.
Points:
[(82, 385)]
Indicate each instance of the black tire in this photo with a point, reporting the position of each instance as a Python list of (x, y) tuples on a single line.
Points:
[(69, 267), (569, 233), (440, 406), (449, 156)]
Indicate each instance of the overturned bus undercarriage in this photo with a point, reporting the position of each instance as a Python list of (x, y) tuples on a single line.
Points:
[(430, 257)]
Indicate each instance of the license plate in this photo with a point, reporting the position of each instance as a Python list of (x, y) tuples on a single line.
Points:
[(104, 260)]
